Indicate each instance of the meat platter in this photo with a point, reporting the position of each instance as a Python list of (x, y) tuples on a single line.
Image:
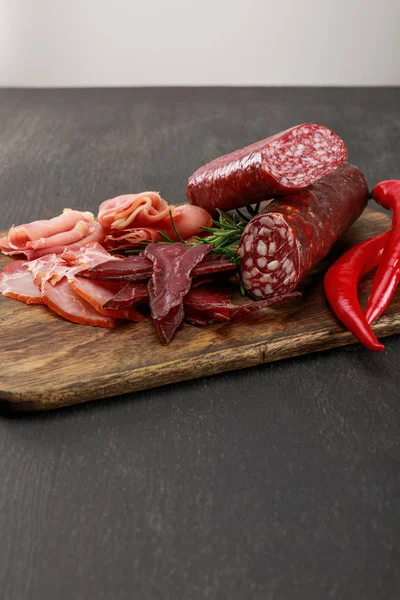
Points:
[(174, 292)]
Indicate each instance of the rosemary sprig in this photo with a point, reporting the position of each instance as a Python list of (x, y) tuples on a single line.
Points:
[(224, 234)]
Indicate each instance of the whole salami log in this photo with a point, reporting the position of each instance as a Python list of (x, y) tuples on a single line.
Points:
[(281, 164), (293, 234)]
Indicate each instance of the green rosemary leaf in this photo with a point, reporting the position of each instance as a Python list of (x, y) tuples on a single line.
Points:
[(225, 217), (165, 238), (178, 235)]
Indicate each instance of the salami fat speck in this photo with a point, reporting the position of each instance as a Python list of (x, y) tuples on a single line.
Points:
[(276, 166), (293, 234)]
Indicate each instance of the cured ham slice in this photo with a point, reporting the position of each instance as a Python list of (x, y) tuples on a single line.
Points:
[(63, 300), (41, 267), (72, 229), (95, 292), (143, 209), (170, 282), (95, 234), (17, 282), (19, 236), (99, 293), (65, 238), (188, 221), (90, 255)]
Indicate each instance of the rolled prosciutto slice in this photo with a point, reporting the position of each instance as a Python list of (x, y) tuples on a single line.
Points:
[(188, 221), (134, 218), (20, 236), (72, 229)]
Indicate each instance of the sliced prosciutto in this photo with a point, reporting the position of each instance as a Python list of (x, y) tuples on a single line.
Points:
[(99, 293), (121, 212), (170, 282), (206, 306), (65, 238), (72, 229), (40, 268), (95, 292), (63, 300), (188, 221), (16, 282), (95, 234), (21, 235)]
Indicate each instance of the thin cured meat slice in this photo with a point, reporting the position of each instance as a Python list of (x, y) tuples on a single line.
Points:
[(207, 305), (188, 221), (99, 293), (132, 268), (95, 234), (170, 282), (95, 292), (293, 234), (65, 238), (276, 166), (59, 296), (212, 264), (63, 300), (139, 268), (16, 282), (90, 255), (19, 236), (40, 268), (142, 209), (132, 293)]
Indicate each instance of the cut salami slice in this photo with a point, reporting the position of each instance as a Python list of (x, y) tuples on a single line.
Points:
[(276, 166), (293, 234), (17, 282), (170, 282)]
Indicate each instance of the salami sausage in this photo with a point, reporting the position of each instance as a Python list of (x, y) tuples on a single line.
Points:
[(283, 163), (293, 234)]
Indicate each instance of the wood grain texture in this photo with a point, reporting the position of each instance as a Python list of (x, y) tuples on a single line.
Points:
[(48, 362)]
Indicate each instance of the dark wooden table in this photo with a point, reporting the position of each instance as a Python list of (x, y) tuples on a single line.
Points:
[(279, 482)]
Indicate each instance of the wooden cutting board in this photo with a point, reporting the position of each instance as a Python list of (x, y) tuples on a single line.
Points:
[(47, 362)]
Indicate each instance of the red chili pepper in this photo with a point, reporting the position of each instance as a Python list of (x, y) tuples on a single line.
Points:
[(341, 282), (387, 276)]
